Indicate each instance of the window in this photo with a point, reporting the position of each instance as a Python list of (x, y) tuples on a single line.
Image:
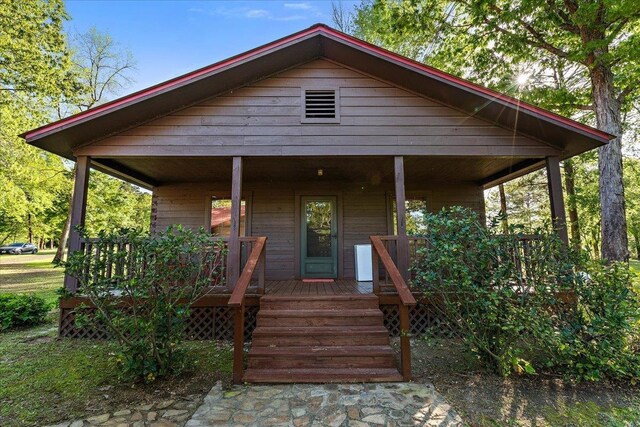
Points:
[(321, 106), (415, 209), (221, 217)]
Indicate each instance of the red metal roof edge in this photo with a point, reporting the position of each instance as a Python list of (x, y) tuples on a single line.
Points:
[(168, 83), (468, 84), (319, 28)]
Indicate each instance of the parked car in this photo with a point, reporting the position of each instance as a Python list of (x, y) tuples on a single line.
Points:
[(19, 248)]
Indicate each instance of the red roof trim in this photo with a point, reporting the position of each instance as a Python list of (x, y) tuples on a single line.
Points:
[(466, 83), (317, 28), (168, 84)]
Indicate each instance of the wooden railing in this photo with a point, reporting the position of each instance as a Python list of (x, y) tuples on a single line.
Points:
[(121, 266), (381, 254), (255, 262)]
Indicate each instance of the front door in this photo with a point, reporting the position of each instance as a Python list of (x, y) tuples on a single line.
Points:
[(319, 238)]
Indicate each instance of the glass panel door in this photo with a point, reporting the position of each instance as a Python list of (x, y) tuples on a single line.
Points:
[(319, 251)]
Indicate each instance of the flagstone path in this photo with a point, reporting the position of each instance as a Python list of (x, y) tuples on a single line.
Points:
[(297, 405)]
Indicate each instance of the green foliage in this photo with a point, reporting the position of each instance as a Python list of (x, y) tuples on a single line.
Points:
[(65, 376), (145, 302), (42, 78), (21, 311), (550, 53), (529, 305), (596, 339)]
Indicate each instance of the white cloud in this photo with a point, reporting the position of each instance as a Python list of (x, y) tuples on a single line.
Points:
[(299, 6), (246, 12), (257, 13)]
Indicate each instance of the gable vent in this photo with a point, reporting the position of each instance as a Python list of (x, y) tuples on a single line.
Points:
[(320, 105)]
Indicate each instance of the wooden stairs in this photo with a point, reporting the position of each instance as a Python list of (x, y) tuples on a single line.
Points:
[(320, 339)]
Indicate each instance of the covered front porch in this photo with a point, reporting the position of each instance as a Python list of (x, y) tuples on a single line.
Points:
[(269, 251)]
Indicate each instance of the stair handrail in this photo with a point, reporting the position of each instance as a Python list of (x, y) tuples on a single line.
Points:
[(405, 297), (256, 260)]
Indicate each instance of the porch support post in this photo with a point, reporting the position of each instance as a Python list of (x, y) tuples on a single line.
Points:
[(403, 243), (556, 198), (78, 211), (233, 260)]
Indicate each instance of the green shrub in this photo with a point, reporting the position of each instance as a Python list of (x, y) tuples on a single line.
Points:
[(145, 301), (523, 305), (595, 339), (21, 311)]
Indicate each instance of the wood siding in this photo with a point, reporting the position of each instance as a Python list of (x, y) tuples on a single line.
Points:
[(265, 119), (272, 214)]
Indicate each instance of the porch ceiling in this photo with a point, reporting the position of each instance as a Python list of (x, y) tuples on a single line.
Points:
[(372, 170)]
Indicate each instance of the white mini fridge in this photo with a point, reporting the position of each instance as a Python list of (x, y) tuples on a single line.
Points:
[(364, 270)]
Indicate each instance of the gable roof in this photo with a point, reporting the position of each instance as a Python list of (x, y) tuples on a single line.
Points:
[(318, 41)]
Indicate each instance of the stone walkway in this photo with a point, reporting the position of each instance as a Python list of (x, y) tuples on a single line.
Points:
[(359, 405), (168, 413), (354, 405)]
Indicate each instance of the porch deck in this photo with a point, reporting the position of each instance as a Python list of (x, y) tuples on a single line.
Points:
[(303, 288)]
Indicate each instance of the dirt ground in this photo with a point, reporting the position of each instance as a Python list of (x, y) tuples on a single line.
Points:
[(486, 399)]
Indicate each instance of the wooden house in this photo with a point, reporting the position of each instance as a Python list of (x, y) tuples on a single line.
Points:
[(318, 141)]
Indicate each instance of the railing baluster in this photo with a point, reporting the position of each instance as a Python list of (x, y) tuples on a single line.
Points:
[(376, 272), (238, 344), (256, 260), (406, 299)]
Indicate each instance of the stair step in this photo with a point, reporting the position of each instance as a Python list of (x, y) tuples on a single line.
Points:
[(319, 317), (319, 375), (327, 335), (380, 356), (328, 350), (345, 302)]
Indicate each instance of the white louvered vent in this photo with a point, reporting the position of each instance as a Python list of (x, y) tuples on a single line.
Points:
[(321, 106)]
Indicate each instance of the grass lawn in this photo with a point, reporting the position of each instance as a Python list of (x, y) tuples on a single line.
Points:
[(44, 380), (31, 274)]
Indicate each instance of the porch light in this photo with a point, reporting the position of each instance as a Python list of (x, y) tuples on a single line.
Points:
[(320, 172)]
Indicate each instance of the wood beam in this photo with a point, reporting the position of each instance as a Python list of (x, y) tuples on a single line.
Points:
[(117, 170), (556, 198), (78, 212), (515, 171), (233, 260), (403, 243), (275, 147)]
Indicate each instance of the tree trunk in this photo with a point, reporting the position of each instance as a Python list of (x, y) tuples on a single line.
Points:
[(503, 209), (595, 243), (29, 228), (572, 205), (64, 236), (613, 220), (635, 232)]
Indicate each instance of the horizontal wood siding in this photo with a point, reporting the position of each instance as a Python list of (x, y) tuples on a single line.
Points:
[(265, 119), (467, 195), (177, 204), (364, 213), (273, 216)]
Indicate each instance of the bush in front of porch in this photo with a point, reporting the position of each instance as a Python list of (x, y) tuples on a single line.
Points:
[(141, 289), (526, 303)]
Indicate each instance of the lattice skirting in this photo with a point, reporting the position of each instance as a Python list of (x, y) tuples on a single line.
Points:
[(205, 323), (425, 319), (216, 323)]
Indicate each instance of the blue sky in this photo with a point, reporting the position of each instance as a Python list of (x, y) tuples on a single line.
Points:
[(169, 38)]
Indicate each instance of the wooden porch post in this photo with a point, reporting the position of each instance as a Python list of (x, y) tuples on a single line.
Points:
[(78, 211), (233, 260), (556, 198), (403, 243)]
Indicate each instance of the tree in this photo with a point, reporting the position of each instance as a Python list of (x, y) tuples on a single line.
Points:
[(103, 68), (35, 73), (597, 39)]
